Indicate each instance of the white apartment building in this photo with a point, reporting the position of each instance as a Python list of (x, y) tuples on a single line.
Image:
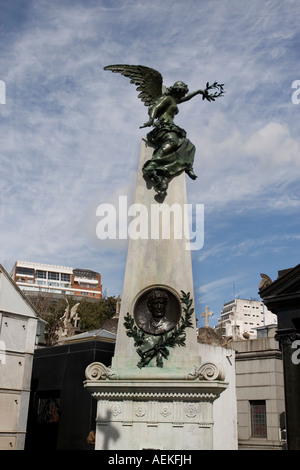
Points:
[(240, 318), (34, 278)]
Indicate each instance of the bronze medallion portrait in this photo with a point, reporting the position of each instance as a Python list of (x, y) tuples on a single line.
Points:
[(157, 310)]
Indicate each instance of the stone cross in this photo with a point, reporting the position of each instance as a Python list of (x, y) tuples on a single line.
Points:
[(76, 319), (207, 314)]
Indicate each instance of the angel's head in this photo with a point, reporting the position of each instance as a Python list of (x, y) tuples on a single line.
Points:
[(179, 89)]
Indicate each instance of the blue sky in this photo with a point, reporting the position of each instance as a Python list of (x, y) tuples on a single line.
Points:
[(70, 137)]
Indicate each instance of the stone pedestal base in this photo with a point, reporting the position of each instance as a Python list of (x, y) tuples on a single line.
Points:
[(155, 414)]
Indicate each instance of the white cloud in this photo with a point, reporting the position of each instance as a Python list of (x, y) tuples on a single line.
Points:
[(215, 286), (237, 169), (275, 148)]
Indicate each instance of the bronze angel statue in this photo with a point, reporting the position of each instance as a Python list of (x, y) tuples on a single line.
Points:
[(173, 152)]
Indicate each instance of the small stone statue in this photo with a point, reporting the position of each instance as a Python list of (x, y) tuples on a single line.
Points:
[(69, 320), (173, 153), (265, 281)]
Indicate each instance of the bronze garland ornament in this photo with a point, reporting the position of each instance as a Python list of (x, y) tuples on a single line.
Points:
[(156, 345)]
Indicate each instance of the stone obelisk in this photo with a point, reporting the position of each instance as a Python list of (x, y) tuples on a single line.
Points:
[(163, 263)]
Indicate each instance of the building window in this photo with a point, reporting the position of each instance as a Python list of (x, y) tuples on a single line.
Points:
[(65, 277), (26, 271), (40, 274), (258, 418), (53, 276), (49, 408)]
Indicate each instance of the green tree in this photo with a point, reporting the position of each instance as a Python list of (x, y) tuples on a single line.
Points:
[(93, 314), (50, 312)]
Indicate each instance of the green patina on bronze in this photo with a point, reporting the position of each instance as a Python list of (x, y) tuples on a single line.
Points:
[(173, 152), (150, 346)]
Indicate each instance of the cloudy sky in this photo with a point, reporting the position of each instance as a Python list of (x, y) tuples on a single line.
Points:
[(70, 136)]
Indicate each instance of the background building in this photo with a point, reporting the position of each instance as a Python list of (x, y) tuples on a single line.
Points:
[(36, 278), (260, 392), (282, 296), (18, 339), (241, 318)]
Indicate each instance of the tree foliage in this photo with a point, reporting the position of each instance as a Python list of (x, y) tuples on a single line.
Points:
[(92, 314)]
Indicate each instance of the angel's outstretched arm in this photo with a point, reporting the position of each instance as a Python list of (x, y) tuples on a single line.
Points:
[(206, 93), (191, 95)]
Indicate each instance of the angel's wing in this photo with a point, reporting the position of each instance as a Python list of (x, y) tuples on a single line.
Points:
[(149, 82)]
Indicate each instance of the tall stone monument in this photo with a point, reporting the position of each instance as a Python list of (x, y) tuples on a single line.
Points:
[(157, 394)]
